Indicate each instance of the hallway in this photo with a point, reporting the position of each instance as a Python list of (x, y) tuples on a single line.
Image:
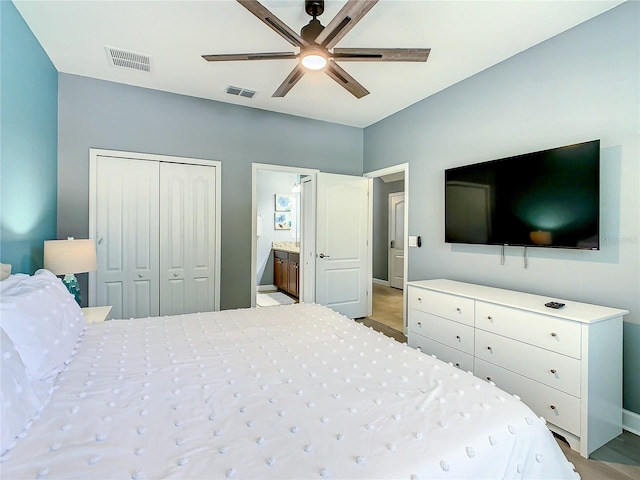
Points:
[(387, 312)]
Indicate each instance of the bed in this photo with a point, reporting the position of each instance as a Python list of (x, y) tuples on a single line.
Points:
[(294, 391)]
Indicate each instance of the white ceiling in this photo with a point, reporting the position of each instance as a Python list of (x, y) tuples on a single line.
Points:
[(465, 37)]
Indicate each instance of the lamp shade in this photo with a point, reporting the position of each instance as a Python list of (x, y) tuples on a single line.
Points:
[(62, 257)]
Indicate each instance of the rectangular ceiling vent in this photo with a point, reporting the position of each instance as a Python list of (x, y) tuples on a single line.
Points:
[(126, 59), (242, 92)]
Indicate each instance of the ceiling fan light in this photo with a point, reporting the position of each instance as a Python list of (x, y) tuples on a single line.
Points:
[(314, 61)]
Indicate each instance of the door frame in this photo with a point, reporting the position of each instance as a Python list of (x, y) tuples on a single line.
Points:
[(402, 168), (94, 153), (254, 214)]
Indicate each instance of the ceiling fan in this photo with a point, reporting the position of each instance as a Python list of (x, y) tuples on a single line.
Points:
[(317, 43)]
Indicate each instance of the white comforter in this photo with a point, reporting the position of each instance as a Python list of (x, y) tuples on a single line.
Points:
[(280, 392)]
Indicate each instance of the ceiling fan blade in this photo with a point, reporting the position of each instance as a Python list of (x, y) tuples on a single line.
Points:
[(345, 20), (250, 56), (295, 75), (273, 22), (336, 72), (381, 54)]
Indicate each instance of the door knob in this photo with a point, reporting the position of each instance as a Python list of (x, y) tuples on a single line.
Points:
[(322, 255)]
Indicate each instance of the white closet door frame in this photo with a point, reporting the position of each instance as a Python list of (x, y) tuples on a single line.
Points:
[(94, 153)]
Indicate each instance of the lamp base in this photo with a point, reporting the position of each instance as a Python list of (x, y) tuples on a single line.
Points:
[(71, 282)]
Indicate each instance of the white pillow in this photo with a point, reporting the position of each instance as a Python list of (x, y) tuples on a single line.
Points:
[(5, 270), (21, 398), (42, 319)]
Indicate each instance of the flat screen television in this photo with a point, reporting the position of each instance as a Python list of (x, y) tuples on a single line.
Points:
[(541, 199)]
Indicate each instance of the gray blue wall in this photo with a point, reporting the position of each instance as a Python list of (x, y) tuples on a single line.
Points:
[(100, 114), (29, 144), (581, 85)]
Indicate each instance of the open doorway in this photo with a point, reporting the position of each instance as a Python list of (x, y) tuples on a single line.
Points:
[(276, 270), (389, 242)]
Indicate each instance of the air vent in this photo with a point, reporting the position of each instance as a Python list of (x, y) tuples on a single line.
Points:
[(242, 92), (126, 59)]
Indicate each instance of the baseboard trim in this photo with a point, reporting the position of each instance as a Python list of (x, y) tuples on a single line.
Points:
[(266, 288), (631, 422), (377, 281)]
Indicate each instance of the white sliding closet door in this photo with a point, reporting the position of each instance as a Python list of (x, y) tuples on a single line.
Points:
[(127, 236), (187, 236)]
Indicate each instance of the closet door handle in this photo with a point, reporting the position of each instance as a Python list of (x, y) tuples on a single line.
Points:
[(322, 255)]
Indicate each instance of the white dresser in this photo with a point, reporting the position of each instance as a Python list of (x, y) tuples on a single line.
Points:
[(566, 364)]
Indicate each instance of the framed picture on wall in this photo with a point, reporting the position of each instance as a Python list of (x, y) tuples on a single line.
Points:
[(282, 221), (283, 202)]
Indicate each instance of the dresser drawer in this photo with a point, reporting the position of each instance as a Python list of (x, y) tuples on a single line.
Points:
[(557, 335), (553, 405), (459, 359), (453, 334), (453, 307), (553, 369)]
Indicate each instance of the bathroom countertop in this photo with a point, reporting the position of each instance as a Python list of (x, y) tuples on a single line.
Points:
[(293, 247)]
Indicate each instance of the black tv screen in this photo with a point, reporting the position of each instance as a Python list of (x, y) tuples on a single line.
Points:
[(542, 199)]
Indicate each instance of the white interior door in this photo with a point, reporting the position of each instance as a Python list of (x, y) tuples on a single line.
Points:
[(187, 236), (342, 275), (127, 236), (396, 240)]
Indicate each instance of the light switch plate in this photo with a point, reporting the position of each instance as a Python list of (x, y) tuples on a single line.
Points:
[(413, 240)]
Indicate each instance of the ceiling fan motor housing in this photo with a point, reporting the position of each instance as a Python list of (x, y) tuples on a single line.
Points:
[(311, 31)]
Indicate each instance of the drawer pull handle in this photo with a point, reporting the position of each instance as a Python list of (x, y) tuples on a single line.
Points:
[(489, 317), (458, 337), (489, 378), (420, 324), (458, 365), (419, 299), (489, 348), (552, 407), (459, 310), (553, 370), (554, 334)]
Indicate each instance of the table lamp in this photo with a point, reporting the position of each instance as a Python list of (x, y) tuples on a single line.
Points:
[(68, 257)]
